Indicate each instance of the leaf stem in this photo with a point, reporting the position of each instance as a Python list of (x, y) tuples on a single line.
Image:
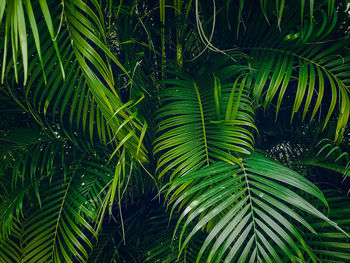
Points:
[(251, 202), (203, 122)]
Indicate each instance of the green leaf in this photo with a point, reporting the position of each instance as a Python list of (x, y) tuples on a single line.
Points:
[(245, 210), (190, 134)]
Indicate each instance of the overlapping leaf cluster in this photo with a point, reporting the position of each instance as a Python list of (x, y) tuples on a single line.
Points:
[(106, 105)]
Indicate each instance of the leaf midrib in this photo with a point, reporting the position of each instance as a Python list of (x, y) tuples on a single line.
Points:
[(59, 216), (203, 122), (251, 203)]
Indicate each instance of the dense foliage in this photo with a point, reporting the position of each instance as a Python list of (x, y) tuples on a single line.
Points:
[(174, 131)]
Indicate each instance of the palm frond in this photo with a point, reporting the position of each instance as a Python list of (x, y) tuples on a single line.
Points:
[(331, 157), (69, 211), (22, 167), (251, 218), (318, 70), (16, 30), (327, 244), (11, 247), (64, 230), (109, 80), (201, 121), (86, 96), (56, 191)]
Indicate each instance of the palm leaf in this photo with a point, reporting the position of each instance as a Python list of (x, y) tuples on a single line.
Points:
[(247, 210), (86, 96), (331, 157), (58, 226), (319, 70), (201, 121), (329, 245), (11, 246), (60, 222), (23, 169), (69, 210), (15, 26), (123, 122)]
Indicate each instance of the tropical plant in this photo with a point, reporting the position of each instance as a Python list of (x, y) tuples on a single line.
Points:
[(174, 131)]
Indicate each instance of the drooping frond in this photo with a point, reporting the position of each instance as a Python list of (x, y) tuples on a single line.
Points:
[(87, 94), (318, 66), (16, 14)]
